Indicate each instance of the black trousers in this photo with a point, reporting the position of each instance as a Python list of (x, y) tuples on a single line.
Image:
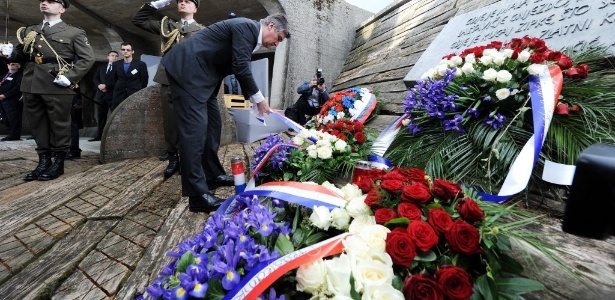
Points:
[(12, 110), (49, 117), (169, 120), (75, 115), (102, 112), (200, 126), (303, 108)]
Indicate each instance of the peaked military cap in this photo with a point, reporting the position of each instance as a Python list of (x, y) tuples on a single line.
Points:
[(64, 3), (196, 2)]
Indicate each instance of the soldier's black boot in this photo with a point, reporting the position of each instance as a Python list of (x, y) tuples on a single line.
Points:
[(56, 169), (173, 166), (44, 162)]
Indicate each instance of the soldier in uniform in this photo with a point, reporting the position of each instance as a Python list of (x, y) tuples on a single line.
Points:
[(59, 56), (171, 32)]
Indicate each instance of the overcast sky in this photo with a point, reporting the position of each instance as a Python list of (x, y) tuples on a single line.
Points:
[(371, 5)]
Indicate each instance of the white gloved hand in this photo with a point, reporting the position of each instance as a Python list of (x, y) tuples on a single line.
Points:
[(61, 80), (7, 49), (160, 3)]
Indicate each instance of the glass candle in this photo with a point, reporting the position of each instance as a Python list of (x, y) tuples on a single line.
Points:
[(361, 170)]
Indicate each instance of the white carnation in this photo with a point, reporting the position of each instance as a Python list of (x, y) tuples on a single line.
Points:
[(503, 76), (490, 74), (502, 93)]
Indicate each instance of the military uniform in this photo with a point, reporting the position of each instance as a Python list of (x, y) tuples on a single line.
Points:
[(171, 32), (61, 49)]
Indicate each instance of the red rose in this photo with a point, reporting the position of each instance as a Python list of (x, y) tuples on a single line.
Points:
[(392, 185), (455, 282), (564, 62), (417, 175), (439, 220), (422, 287), (416, 193), (383, 215), (562, 109), (400, 247), (349, 127), (554, 55), (514, 43), (578, 72), (448, 56), (342, 137), (395, 175), (377, 174), (495, 44), (423, 235), (410, 211), (358, 126), (469, 210), (359, 137), (374, 197), (463, 238), (365, 184), (537, 58), (446, 190)]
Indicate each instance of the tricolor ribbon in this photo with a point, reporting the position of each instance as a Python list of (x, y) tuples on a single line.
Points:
[(306, 194), (365, 108), (383, 142), (265, 274), (293, 125)]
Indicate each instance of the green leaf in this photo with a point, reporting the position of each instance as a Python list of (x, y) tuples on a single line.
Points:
[(510, 265), (426, 256), (353, 292), (296, 218), (186, 260), (288, 176), (315, 238), (215, 291), (518, 285), (298, 237), (283, 245), (397, 222), (486, 287), (398, 282)]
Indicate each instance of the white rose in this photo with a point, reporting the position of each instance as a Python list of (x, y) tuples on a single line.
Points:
[(508, 53), (340, 145), (357, 207), (340, 218), (524, 56), (467, 68), (444, 61), (502, 93), (458, 72), (456, 61), (311, 277), (323, 141), (385, 292), (298, 140), (503, 76), (338, 275), (351, 191), (361, 222), (372, 274), (490, 74), (324, 152), (535, 69), (490, 52), (441, 69), (375, 236), (499, 59), (471, 58), (312, 153), (486, 60), (382, 257), (429, 74), (321, 217), (356, 248)]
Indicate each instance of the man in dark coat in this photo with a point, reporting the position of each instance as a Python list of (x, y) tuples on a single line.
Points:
[(11, 106), (171, 32), (196, 68), (129, 75), (104, 92), (60, 55)]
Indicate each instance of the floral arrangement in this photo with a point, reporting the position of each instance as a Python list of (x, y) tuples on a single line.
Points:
[(352, 103), (471, 114)]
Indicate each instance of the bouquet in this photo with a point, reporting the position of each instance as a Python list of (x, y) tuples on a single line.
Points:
[(353, 103), (471, 115)]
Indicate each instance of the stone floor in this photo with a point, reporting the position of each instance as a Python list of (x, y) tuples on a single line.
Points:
[(102, 231)]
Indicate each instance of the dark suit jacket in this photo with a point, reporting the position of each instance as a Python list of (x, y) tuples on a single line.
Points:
[(127, 83), (200, 63), (147, 19), (10, 87), (101, 77)]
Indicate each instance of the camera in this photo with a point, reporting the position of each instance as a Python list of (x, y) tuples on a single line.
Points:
[(319, 79)]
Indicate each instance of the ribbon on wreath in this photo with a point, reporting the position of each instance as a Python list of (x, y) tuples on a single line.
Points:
[(383, 142), (364, 107), (265, 274)]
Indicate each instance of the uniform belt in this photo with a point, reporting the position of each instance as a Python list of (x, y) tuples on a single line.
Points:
[(52, 61)]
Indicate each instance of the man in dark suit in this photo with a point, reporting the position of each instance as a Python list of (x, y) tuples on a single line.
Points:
[(104, 92), (11, 107), (196, 68), (129, 75), (171, 32)]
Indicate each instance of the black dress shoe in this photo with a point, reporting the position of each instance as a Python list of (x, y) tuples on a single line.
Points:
[(221, 180), (8, 138), (205, 203), (73, 155), (173, 166), (94, 140)]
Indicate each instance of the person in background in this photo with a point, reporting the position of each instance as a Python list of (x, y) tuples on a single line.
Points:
[(314, 94), (171, 32), (195, 69), (104, 92), (129, 76), (64, 49), (11, 105)]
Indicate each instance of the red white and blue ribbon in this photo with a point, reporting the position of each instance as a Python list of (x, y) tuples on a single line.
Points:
[(305, 194), (265, 274), (293, 125), (383, 142), (365, 106), (545, 88)]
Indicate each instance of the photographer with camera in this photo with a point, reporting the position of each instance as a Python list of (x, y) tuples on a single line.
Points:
[(314, 94)]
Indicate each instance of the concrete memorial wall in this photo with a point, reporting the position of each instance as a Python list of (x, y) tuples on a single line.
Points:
[(576, 24)]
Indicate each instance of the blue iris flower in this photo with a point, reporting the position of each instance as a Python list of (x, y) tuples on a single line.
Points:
[(496, 121), (225, 263)]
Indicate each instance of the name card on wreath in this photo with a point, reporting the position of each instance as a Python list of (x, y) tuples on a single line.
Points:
[(579, 24)]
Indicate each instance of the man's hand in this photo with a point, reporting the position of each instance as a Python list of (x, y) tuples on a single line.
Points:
[(321, 87), (313, 83), (61, 80), (160, 3), (102, 87), (263, 107)]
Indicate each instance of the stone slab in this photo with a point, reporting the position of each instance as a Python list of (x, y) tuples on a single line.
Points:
[(561, 23)]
